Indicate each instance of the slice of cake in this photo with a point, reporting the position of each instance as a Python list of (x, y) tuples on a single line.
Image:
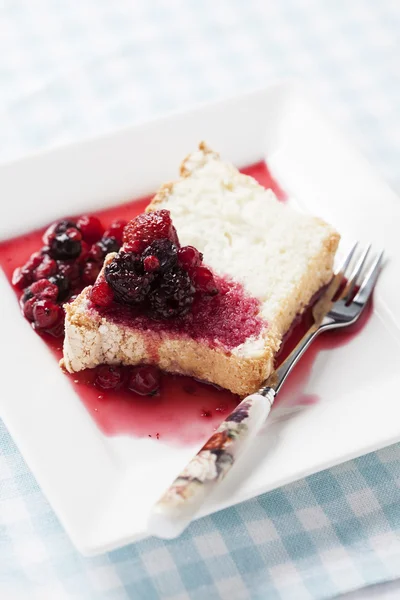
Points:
[(209, 294)]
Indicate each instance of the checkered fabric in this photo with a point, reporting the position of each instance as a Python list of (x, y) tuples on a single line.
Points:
[(73, 69)]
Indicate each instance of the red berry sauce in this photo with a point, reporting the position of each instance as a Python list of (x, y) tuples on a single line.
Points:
[(225, 320)]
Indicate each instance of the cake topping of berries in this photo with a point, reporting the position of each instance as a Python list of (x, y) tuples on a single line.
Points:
[(203, 280), (189, 257), (126, 276), (173, 296), (101, 294), (151, 263), (153, 273), (147, 227), (165, 251)]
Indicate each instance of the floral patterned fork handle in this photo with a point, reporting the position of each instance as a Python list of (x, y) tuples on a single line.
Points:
[(177, 507)]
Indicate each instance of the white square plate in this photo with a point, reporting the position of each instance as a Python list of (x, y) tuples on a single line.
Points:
[(102, 487)]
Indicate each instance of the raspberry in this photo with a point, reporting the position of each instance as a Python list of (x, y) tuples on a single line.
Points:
[(27, 308), (166, 253), (64, 247), (116, 230), (34, 260), (127, 278), (189, 256), (148, 227), (135, 246), (45, 314), (43, 290), (108, 377), (151, 263), (21, 278), (91, 228), (173, 297), (203, 280), (47, 268), (90, 273), (101, 294), (57, 227), (144, 380)]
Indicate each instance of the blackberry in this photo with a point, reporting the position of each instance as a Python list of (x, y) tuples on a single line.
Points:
[(125, 275), (63, 285), (173, 296), (165, 251), (63, 247)]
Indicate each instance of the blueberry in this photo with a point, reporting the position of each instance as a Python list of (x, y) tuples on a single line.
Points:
[(63, 285), (62, 247)]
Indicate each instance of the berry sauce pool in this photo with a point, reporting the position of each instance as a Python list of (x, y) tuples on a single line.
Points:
[(185, 411)]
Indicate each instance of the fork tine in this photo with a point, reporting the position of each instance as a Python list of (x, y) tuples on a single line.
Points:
[(346, 261), (337, 281), (369, 281), (355, 274)]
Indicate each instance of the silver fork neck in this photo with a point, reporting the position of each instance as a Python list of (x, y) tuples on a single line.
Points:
[(280, 374)]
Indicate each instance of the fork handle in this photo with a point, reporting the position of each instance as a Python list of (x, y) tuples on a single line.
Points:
[(201, 476)]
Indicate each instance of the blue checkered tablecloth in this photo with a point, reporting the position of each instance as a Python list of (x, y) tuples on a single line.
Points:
[(73, 69)]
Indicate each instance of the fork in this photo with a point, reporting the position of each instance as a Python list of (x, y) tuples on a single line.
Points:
[(340, 306)]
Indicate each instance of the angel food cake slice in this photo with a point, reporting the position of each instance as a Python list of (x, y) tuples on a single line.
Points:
[(207, 282)]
